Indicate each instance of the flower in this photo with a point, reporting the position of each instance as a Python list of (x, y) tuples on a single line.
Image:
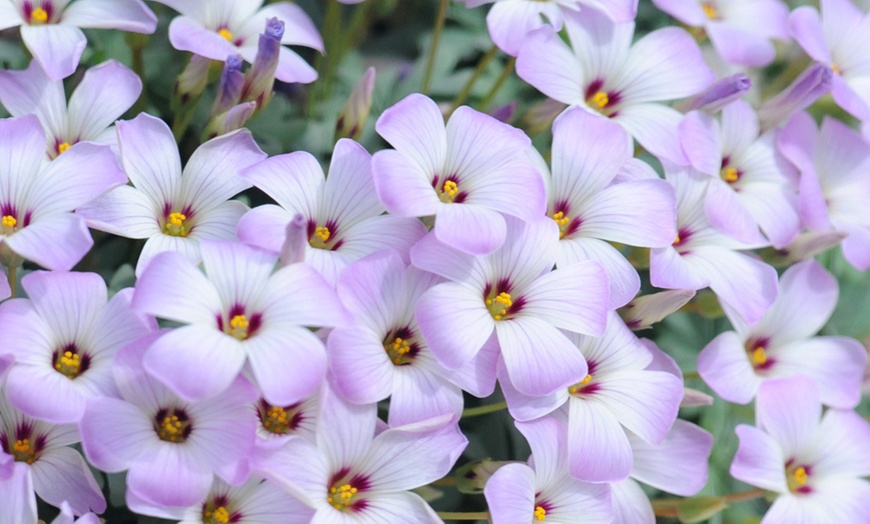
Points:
[(605, 74), (58, 472), (171, 447), (240, 311), (64, 340), (37, 198), (344, 218), (466, 174), (353, 474), (16, 491), (736, 363), (813, 462), (174, 209), (51, 30), (105, 93), (217, 29), (512, 299), (740, 30), (543, 490)]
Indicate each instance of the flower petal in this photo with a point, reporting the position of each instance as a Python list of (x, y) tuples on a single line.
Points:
[(789, 411), (61, 474), (289, 364), (150, 157), (598, 449), (172, 288), (546, 62), (104, 94), (759, 460), (127, 15), (510, 494), (57, 48), (455, 323), (654, 464), (56, 242), (725, 367)]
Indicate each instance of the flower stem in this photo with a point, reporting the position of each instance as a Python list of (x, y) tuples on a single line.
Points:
[(670, 507), (483, 410), (460, 98), (744, 496), (691, 375), (459, 515), (508, 69), (433, 49), (10, 275)]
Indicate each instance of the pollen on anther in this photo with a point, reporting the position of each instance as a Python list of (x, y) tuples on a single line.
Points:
[(63, 147), (710, 10), (226, 33), (600, 99), (38, 16), (9, 221), (540, 513), (759, 356)]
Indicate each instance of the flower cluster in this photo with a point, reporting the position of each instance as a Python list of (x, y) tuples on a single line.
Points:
[(308, 358)]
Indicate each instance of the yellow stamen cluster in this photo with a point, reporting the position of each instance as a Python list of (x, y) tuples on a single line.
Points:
[(341, 497), (600, 99), (68, 364), (562, 221), (677, 240), (321, 235), (499, 306), (239, 327), (710, 10), (38, 16), (226, 33), (759, 356), (729, 174), (449, 191), (276, 420), (540, 513), (172, 429), (8, 222), (219, 516), (175, 225), (397, 349), (580, 385), (23, 452), (796, 478), (835, 68)]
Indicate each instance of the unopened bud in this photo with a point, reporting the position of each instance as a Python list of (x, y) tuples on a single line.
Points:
[(355, 112), (295, 240), (541, 115), (472, 478), (192, 81), (719, 94), (235, 118), (231, 85), (814, 82), (261, 76), (646, 310)]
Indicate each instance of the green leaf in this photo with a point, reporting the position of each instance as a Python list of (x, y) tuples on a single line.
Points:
[(698, 509)]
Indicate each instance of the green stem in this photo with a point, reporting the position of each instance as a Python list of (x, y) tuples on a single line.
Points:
[(744, 496), (137, 42), (324, 62), (433, 49), (446, 481), (461, 515), (670, 507), (508, 69), (10, 275), (691, 375), (483, 410), (481, 66)]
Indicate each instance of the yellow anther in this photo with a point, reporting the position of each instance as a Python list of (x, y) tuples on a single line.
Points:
[(448, 191), (226, 33), (540, 513), (38, 16), (730, 174), (800, 476), (600, 99), (322, 233), (499, 305), (68, 364), (219, 515), (677, 240), (345, 494), (710, 10), (175, 225), (173, 428), (239, 327), (21, 446), (835, 69), (63, 147), (23, 452), (580, 385), (9, 221), (397, 349), (759, 356), (562, 221)]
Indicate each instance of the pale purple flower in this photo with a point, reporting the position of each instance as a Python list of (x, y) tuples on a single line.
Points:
[(174, 208), (51, 30), (105, 92), (345, 221), (702, 256), (543, 491), (37, 198), (466, 174), (834, 189), (64, 340), (752, 185), (604, 73), (593, 209), (656, 466), (812, 461), (718, 94), (512, 299), (217, 29), (353, 475), (279, 423), (67, 516), (59, 473), (240, 312), (382, 354), (736, 363), (839, 39), (509, 21), (809, 86), (617, 392), (171, 447), (740, 30)]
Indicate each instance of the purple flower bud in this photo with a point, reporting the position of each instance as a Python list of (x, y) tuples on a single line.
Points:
[(295, 240), (355, 112), (234, 118), (504, 113), (719, 94), (274, 29), (191, 82), (814, 82), (261, 77), (231, 85)]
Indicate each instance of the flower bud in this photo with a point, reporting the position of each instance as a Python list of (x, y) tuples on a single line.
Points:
[(231, 85), (814, 82), (235, 118), (719, 94), (293, 249), (261, 76), (355, 112)]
